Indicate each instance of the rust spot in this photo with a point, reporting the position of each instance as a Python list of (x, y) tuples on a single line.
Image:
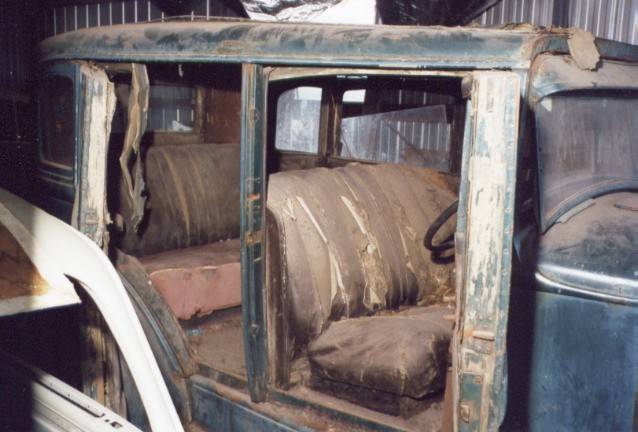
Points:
[(253, 237)]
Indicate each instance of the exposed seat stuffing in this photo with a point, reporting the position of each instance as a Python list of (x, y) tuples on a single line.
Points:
[(404, 353)]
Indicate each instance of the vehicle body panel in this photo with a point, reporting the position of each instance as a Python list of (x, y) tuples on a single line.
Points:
[(99, 106), (556, 73), (488, 208), (253, 192), (31, 281), (81, 259), (239, 41), (584, 315), (498, 107), (44, 403), (594, 343)]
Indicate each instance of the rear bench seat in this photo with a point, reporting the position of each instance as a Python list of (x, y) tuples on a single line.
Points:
[(189, 241), (360, 286)]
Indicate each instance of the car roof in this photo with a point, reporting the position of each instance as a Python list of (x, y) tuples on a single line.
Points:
[(305, 44)]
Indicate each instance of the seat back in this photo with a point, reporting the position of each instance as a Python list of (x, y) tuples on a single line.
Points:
[(193, 198), (351, 241)]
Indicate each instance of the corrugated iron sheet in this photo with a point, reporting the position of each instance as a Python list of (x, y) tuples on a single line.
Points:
[(68, 18), (610, 19)]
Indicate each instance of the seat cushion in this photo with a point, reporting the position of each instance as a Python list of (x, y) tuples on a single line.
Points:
[(193, 198), (403, 353), (198, 280)]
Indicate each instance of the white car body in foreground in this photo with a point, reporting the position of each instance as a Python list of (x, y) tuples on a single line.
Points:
[(62, 247)]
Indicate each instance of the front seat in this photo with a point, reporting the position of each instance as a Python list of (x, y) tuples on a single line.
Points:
[(363, 297)]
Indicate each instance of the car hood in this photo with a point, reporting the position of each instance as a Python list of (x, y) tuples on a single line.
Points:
[(595, 247)]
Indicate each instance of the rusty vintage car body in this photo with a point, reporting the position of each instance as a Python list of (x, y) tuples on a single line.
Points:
[(298, 178)]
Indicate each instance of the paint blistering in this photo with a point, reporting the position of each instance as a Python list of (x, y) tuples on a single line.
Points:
[(490, 201), (98, 114)]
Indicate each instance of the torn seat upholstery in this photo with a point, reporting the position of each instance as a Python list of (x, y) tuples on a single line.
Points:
[(350, 244), (189, 238)]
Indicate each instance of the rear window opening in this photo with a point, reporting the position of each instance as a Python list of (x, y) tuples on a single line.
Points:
[(377, 119)]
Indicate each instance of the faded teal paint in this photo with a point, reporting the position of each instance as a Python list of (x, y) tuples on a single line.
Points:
[(469, 411), (498, 390), (487, 233), (551, 74), (239, 41), (253, 144), (219, 413)]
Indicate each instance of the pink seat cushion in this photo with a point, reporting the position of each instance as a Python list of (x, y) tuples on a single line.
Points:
[(198, 280)]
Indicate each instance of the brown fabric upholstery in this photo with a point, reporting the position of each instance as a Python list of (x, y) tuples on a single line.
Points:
[(193, 192), (351, 242), (382, 352)]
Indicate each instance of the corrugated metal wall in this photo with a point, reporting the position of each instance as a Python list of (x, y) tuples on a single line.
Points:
[(610, 19), (68, 18), (22, 24), (170, 106)]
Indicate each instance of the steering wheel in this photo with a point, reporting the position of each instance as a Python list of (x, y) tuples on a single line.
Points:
[(438, 249)]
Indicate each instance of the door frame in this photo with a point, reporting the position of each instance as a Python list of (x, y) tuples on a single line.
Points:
[(484, 242)]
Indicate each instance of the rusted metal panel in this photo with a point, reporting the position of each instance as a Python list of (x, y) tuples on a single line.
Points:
[(484, 294), (223, 105)]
